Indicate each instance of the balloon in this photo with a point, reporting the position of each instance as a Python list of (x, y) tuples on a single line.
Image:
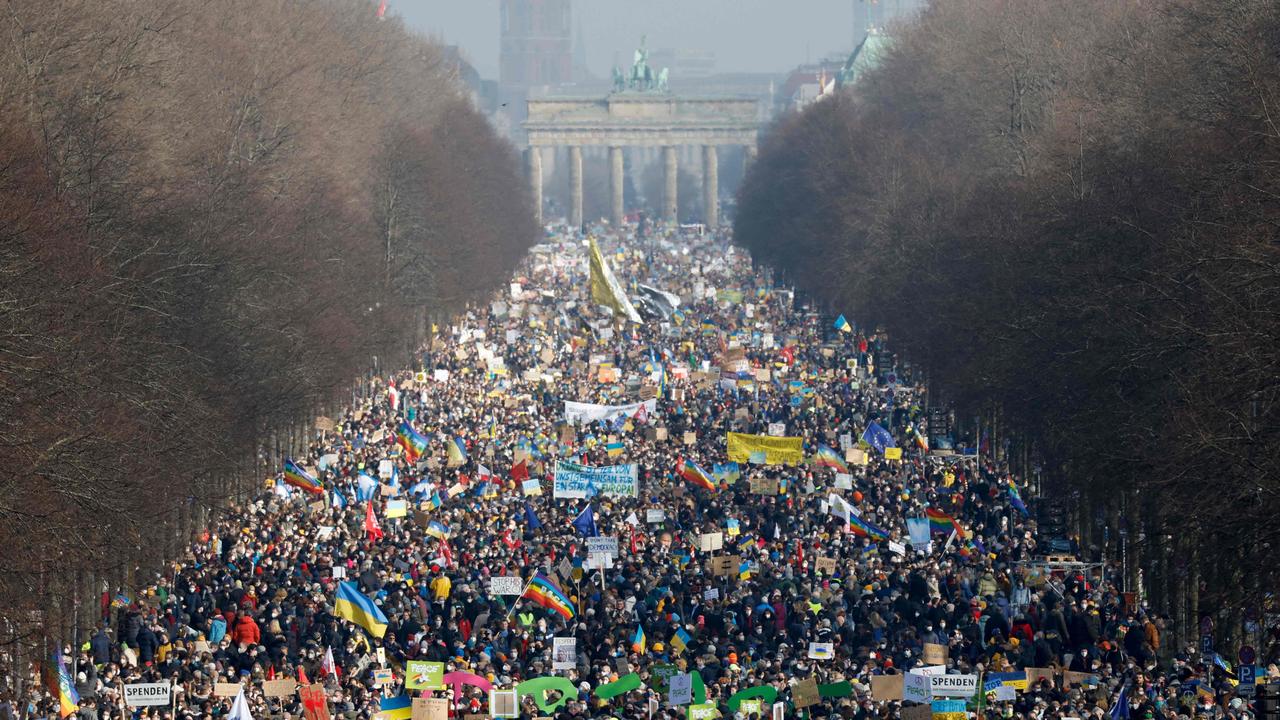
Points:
[(857, 496)]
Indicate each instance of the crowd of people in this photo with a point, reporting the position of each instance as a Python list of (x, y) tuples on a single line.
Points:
[(254, 597)]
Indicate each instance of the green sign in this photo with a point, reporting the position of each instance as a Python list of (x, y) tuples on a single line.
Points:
[(423, 675), (705, 711), (751, 706), (660, 677)]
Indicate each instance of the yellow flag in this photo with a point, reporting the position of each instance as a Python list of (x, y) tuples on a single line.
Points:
[(605, 288)]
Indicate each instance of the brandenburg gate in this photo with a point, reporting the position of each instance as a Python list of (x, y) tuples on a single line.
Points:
[(639, 113)]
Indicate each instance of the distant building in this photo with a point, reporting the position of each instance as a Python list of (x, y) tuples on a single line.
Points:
[(866, 56), (808, 83), (537, 43), (686, 64)]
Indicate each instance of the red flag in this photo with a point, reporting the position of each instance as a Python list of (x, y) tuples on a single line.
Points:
[(271, 671), (447, 552), (302, 676), (371, 525), (520, 471), (382, 9)]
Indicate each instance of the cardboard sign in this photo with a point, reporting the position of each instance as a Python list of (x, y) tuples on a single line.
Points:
[(855, 456), (430, 708), (502, 704), (690, 438), (226, 690), (885, 688), (764, 486), (1035, 675), (284, 687), (710, 542), (917, 712), (315, 705), (825, 565), (725, 565), (935, 654), (805, 693)]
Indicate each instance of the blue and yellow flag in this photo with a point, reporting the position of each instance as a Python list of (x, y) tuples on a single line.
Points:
[(353, 605), (395, 708)]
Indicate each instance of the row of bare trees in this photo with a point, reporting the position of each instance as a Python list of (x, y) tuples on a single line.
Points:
[(1068, 213), (212, 216)]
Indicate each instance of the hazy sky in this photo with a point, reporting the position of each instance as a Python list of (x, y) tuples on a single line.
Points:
[(745, 35)]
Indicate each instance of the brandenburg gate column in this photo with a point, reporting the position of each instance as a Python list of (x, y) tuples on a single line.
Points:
[(670, 189), (710, 187), (575, 185), (535, 180), (615, 185)]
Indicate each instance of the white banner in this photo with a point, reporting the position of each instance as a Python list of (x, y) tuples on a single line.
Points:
[(576, 413), (147, 694), (580, 481), (915, 687), (603, 545)]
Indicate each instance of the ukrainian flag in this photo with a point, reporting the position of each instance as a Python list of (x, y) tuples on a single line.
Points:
[(639, 643), (395, 708), (842, 325), (353, 605)]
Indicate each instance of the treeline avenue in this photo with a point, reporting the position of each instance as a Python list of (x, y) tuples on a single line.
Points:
[(213, 216), (1067, 212)]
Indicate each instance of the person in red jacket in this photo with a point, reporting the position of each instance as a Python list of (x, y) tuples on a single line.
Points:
[(246, 631)]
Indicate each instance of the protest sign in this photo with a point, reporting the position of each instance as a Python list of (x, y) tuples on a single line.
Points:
[(821, 650), (423, 675), (844, 481), (655, 515), (725, 565), (825, 565), (383, 677), (506, 585), (581, 481), (763, 486), (603, 545), (564, 653), (430, 708), (1035, 675), (711, 594), (502, 704), (893, 453), (149, 694), (917, 712), (885, 688), (703, 711), (961, 686), (226, 690), (916, 687), (397, 508), (777, 450), (710, 542), (284, 687), (531, 487), (680, 689), (935, 654), (805, 693), (777, 429), (578, 413)]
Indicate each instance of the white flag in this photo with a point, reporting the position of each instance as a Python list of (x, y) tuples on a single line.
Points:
[(240, 708)]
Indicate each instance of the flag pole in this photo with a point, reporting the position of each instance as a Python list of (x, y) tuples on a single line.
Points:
[(521, 595)]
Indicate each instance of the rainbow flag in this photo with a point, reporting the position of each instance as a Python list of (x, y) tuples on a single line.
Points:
[(828, 457), (1015, 499), (863, 528), (395, 708), (942, 523), (690, 471), (413, 442), (545, 592), (58, 680), (301, 479)]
